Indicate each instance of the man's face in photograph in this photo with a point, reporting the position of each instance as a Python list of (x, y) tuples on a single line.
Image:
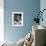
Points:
[(17, 17)]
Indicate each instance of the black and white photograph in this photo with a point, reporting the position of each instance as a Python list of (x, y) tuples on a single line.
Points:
[(17, 18)]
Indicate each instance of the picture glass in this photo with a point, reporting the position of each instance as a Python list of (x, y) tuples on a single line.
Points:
[(17, 18)]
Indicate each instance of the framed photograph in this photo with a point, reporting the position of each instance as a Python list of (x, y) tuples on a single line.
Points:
[(17, 18)]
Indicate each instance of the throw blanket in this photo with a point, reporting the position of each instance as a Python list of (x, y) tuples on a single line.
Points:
[(26, 41)]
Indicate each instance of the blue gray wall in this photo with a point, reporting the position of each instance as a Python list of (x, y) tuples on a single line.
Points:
[(29, 7), (43, 6)]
